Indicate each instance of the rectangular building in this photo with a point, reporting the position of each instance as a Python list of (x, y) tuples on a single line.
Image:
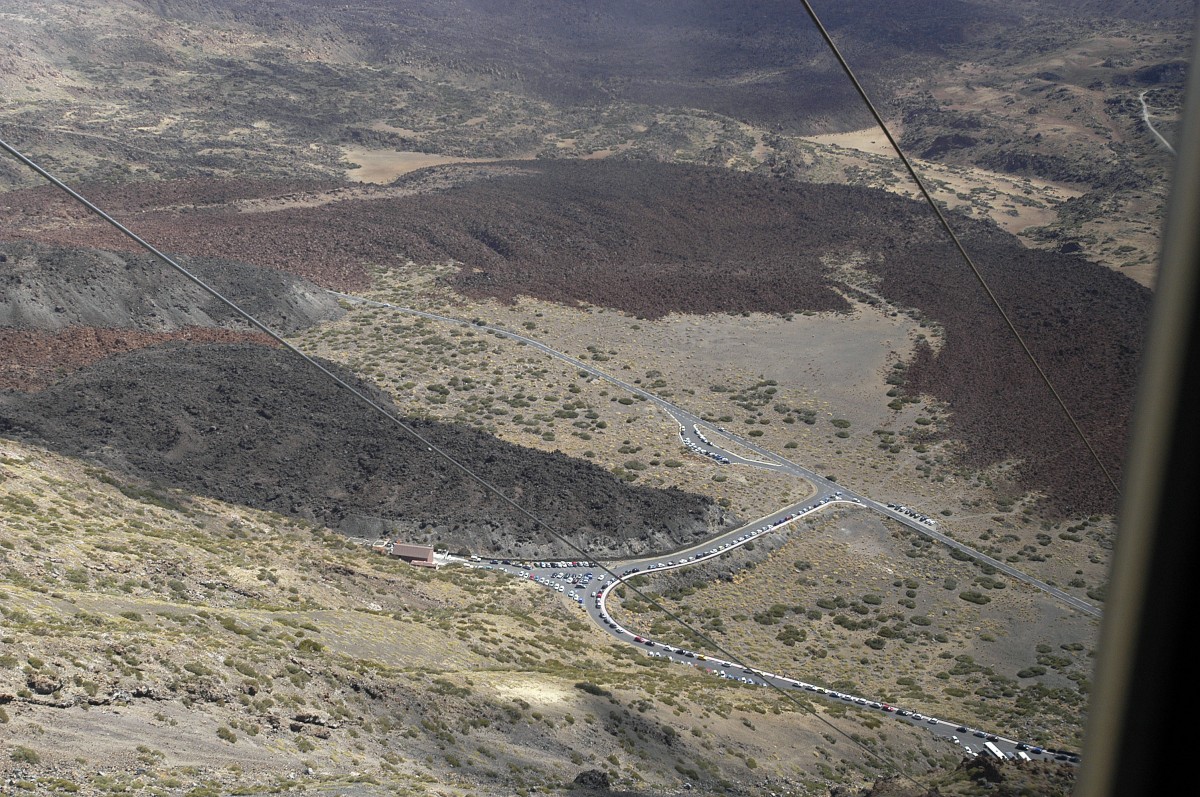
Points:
[(419, 555)]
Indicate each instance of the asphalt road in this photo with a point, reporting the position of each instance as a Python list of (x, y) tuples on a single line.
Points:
[(588, 585), (707, 439)]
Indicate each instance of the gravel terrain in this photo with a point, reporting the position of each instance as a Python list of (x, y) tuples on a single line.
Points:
[(54, 287)]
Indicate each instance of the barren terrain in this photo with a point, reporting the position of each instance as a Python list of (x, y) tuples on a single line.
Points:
[(650, 240), (159, 642), (298, 444), (683, 193)]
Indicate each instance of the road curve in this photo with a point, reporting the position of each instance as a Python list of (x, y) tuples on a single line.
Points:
[(574, 579), (1149, 124), (825, 488)]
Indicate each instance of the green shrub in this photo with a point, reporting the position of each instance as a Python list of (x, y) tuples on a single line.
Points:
[(310, 646), (971, 596), (790, 635), (444, 687), (593, 689), (23, 755)]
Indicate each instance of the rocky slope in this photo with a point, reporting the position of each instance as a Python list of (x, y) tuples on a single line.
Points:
[(975, 776), (54, 287), (32, 359), (160, 643), (62, 308)]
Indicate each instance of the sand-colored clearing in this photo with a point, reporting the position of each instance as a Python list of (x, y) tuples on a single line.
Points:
[(870, 140), (1015, 203), (383, 166), (534, 691)]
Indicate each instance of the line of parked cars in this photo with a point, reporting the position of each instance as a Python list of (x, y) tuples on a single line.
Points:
[(562, 582), (713, 455), (928, 521)]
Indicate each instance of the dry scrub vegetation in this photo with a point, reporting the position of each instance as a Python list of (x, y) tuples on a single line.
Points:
[(821, 389), (861, 605), (472, 376), (154, 641), (852, 604)]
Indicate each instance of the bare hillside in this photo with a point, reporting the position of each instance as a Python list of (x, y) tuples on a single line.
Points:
[(55, 287)]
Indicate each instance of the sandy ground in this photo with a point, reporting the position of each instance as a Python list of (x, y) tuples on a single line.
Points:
[(869, 139), (835, 361), (510, 686), (383, 166)]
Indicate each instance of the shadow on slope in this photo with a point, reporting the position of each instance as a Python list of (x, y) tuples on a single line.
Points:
[(252, 425)]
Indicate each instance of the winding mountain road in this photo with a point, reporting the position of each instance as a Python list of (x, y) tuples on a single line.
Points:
[(574, 579), (1149, 124), (690, 423), (578, 582)]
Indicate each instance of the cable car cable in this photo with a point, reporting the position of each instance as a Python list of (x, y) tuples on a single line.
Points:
[(912, 172), (432, 446)]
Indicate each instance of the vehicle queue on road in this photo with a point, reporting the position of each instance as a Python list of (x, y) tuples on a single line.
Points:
[(574, 578), (825, 486)]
